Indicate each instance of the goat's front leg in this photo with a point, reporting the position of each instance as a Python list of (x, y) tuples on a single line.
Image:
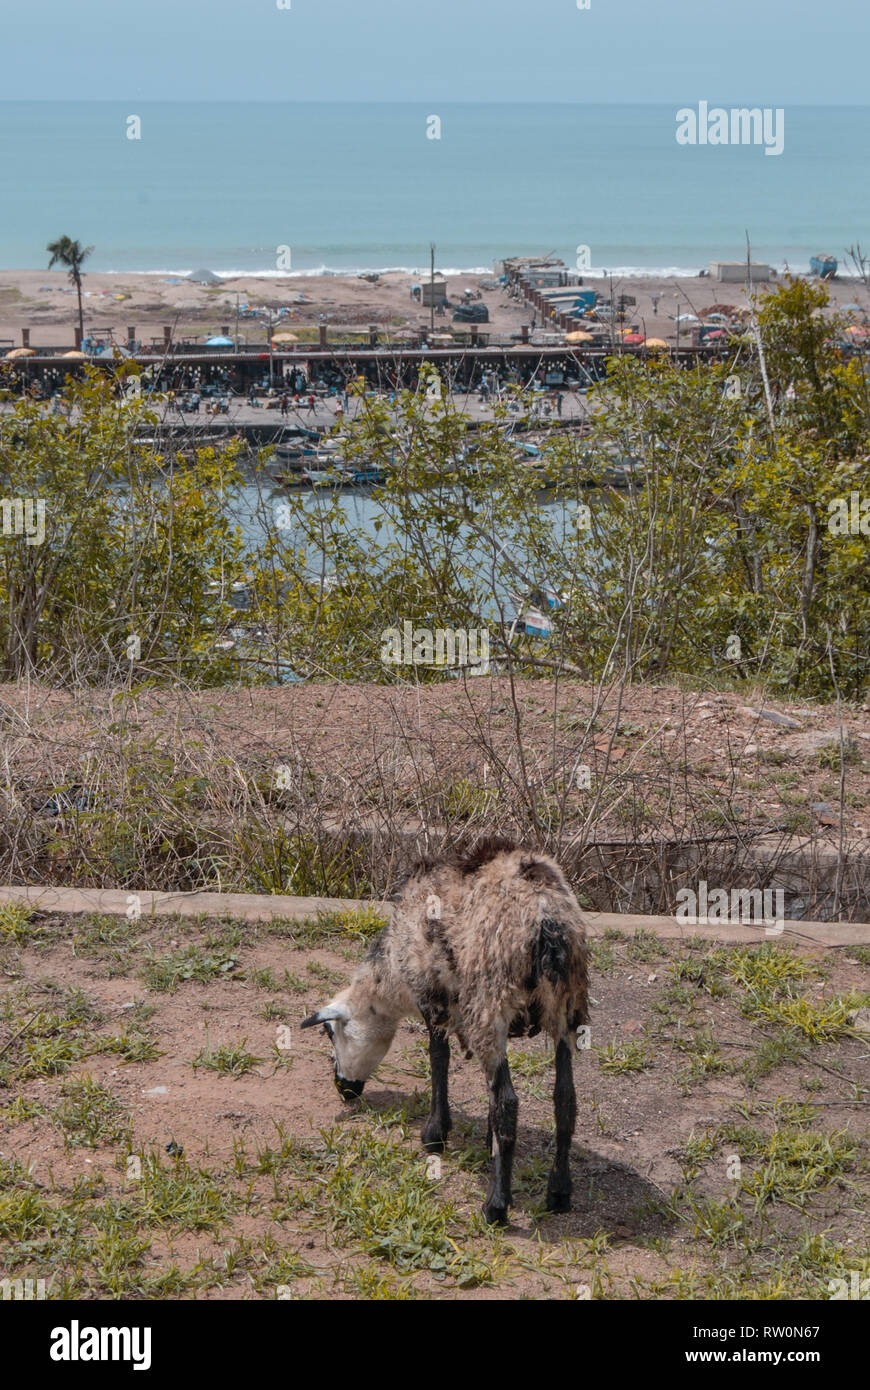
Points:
[(565, 1105), (439, 1124), (503, 1109)]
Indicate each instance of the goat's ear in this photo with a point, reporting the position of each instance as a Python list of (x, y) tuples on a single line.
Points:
[(324, 1015)]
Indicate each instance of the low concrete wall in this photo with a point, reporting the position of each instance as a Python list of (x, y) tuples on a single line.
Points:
[(253, 907)]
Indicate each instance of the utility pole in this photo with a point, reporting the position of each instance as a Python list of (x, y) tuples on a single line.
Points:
[(432, 290)]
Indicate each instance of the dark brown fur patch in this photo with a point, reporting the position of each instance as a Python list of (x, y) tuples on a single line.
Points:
[(486, 850), (434, 932), (539, 872)]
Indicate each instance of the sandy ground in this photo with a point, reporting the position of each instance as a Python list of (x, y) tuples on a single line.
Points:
[(45, 302)]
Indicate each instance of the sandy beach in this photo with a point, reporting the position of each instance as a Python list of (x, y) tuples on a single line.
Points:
[(45, 303)]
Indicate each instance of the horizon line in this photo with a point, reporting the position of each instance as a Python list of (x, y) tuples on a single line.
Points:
[(394, 101)]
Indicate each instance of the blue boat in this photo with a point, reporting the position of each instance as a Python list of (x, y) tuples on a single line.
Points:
[(823, 266), (369, 477), (532, 612)]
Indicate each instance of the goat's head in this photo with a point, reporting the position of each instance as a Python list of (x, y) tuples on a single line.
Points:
[(361, 1033)]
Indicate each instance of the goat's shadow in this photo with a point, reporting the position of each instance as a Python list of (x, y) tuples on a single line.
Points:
[(609, 1197)]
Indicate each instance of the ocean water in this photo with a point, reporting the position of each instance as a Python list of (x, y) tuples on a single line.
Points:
[(361, 187)]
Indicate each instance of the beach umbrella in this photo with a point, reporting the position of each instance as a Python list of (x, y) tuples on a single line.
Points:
[(285, 338), (204, 277), (656, 343), (75, 356), (851, 309), (857, 332), (219, 342), (633, 339), (20, 352), (579, 337), (717, 333)]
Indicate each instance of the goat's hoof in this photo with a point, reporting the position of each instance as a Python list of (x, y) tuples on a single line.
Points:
[(558, 1201), (433, 1138), (495, 1215)]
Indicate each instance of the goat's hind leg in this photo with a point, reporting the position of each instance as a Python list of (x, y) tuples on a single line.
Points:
[(565, 1105), (503, 1110), (439, 1124)]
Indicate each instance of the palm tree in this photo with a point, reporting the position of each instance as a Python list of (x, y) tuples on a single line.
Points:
[(73, 255)]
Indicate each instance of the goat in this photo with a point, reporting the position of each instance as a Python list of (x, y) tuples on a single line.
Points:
[(486, 947)]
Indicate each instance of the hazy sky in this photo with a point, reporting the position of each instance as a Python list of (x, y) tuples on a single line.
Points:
[(767, 52)]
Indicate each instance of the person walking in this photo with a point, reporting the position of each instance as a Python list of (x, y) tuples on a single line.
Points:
[(312, 407), (284, 404), (559, 404)]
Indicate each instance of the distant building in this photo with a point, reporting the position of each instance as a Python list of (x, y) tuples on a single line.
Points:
[(735, 272), (434, 292)]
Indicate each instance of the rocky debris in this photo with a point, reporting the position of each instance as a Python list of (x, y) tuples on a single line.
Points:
[(773, 716)]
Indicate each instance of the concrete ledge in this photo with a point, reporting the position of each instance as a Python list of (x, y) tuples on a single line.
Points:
[(254, 907)]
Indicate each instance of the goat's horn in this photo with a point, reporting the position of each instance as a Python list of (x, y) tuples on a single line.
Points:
[(324, 1015)]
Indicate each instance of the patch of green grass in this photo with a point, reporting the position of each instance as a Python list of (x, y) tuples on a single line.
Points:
[(777, 1051), (602, 957), (133, 1045), (378, 1196), (826, 1021), (16, 924), (165, 973), (705, 972), (177, 1196), (325, 974), (295, 983), (49, 1056), (90, 1115), (372, 1284), (694, 1152), (829, 757), (623, 1057), (644, 947), (718, 1223), (228, 1059), (796, 1163), (110, 940), (272, 1010), (768, 967), (21, 1110), (704, 1058), (24, 1213), (263, 979)]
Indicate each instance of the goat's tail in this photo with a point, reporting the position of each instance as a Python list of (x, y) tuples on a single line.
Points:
[(558, 975)]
